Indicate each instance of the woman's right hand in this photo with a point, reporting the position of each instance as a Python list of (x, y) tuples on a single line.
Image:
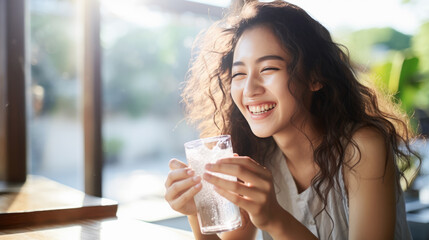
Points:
[(181, 186)]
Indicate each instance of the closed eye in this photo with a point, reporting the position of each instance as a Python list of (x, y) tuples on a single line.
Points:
[(237, 74), (270, 69)]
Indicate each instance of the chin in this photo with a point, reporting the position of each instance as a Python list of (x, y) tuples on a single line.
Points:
[(261, 133)]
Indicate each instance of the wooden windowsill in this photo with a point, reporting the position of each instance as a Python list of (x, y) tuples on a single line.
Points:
[(43, 201)]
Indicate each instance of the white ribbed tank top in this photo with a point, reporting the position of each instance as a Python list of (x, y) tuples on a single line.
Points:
[(305, 206)]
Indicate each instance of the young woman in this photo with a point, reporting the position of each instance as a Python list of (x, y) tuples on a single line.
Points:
[(317, 151)]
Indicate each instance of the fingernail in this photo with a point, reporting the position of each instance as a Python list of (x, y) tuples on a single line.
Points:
[(209, 166), (196, 178), (190, 172), (198, 185)]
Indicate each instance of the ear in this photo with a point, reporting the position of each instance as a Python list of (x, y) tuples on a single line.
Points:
[(316, 86)]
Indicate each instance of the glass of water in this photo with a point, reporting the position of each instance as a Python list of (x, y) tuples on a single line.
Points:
[(215, 213)]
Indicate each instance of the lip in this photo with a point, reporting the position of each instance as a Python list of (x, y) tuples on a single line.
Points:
[(263, 115)]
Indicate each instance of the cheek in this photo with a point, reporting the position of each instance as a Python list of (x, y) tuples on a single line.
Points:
[(288, 103), (236, 94)]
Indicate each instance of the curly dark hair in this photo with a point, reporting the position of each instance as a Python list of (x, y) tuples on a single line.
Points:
[(341, 107)]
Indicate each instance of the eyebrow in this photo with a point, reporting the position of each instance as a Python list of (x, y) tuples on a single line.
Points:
[(261, 59)]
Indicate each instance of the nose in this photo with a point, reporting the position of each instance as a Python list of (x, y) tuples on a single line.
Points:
[(253, 86)]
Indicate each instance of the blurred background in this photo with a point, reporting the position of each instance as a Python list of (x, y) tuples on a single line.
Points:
[(146, 48)]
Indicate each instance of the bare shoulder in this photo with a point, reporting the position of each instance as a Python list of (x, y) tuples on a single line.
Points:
[(368, 157), (368, 134)]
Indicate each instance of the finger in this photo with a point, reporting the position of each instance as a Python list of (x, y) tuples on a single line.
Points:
[(179, 187), (239, 171), (177, 175), (248, 163), (176, 164), (187, 196), (241, 201), (233, 186)]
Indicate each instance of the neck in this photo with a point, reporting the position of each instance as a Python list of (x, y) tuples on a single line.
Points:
[(298, 144)]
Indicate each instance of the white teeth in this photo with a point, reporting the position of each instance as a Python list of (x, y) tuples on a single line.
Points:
[(260, 109)]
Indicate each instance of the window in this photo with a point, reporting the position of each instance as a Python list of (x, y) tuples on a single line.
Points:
[(145, 52), (55, 131)]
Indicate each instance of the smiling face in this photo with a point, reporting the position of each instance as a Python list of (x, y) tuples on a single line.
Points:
[(259, 85)]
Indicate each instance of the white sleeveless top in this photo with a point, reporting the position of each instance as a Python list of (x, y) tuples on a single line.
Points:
[(305, 207)]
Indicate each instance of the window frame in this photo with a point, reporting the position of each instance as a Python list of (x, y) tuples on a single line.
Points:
[(13, 69)]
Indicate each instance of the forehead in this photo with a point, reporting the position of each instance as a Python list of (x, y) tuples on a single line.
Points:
[(256, 42)]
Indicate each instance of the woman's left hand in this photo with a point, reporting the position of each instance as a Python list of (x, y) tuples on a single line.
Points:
[(255, 194)]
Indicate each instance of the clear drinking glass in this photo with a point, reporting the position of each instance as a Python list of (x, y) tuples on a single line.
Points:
[(215, 213)]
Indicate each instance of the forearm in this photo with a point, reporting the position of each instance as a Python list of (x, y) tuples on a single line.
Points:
[(193, 221), (285, 226)]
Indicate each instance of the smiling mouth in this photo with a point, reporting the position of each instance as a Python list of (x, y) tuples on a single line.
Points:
[(261, 109)]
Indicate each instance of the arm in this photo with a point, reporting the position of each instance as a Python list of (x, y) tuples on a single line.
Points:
[(285, 226), (370, 183)]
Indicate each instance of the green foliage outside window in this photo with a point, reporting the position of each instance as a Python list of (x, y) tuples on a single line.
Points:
[(397, 63)]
